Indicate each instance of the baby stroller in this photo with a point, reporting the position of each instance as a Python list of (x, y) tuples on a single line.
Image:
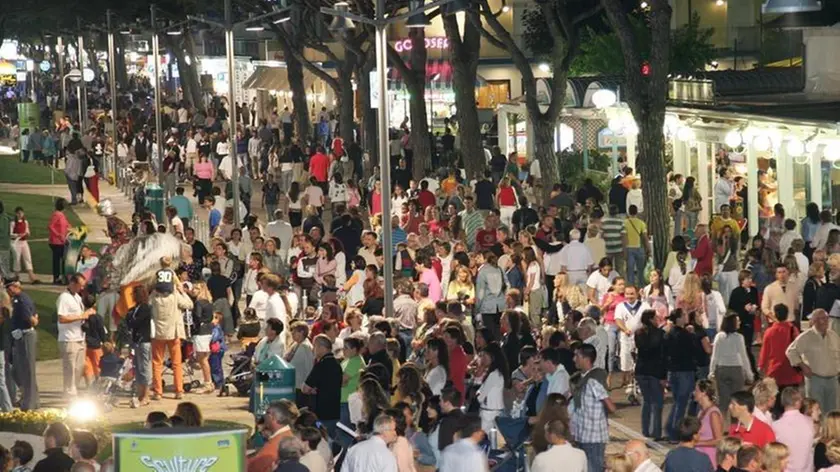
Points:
[(110, 388), (241, 374), (187, 361)]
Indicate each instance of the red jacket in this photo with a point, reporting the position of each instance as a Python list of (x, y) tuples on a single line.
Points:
[(458, 363), (772, 359), (703, 254)]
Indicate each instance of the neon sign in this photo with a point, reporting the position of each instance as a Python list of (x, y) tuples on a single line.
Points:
[(437, 42)]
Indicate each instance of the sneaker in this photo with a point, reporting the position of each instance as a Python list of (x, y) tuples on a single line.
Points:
[(179, 396), (156, 397)]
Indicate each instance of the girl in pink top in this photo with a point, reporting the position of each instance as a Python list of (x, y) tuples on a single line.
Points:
[(376, 199), (612, 299), (58, 228), (204, 172), (711, 421), (430, 278)]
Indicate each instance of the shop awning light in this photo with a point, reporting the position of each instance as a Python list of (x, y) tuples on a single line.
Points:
[(255, 28), (686, 134), (174, 33), (762, 143), (832, 150), (790, 6), (282, 20), (544, 67)]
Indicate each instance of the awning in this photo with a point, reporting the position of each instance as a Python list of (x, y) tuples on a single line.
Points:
[(274, 78), (439, 76)]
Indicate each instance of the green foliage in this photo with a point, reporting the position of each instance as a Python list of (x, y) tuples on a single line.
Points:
[(573, 173), (600, 53), (13, 171)]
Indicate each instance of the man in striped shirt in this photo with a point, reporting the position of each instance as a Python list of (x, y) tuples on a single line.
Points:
[(613, 228), (471, 220)]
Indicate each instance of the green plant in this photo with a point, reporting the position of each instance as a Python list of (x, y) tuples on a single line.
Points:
[(573, 173)]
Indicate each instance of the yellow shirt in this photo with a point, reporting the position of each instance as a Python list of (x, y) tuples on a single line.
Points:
[(634, 228), (719, 223)]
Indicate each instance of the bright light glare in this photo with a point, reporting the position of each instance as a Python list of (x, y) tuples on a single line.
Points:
[(720, 3), (795, 147), (505, 9), (734, 139), (603, 98), (544, 67), (282, 20), (762, 143), (255, 28), (174, 33), (83, 410), (644, 5)]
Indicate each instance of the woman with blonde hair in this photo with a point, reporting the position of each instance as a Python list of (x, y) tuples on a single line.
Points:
[(829, 433), (564, 292), (692, 298), (727, 453), (833, 455), (462, 288), (776, 457)]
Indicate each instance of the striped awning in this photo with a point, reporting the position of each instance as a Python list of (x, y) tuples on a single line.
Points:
[(274, 78)]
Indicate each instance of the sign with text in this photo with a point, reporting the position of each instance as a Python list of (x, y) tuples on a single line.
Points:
[(435, 42), (194, 450), (607, 139)]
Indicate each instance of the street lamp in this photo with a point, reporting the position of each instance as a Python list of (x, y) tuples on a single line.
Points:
[(112, 76), (381, 23), (229, 26)]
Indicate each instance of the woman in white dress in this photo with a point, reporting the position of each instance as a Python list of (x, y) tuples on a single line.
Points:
[(354, 287), (437, 365), (491, 392)]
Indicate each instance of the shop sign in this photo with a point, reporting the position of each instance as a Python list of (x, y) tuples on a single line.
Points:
[(8, 73), (435, 42), (692, 91), (607, 139)]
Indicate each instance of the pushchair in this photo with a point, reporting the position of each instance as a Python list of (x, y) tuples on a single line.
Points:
[(187, 366), (109, 389), (241, 374)]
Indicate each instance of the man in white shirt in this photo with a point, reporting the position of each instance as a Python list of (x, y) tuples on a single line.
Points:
[(368, 249), (465, 454), (599, 282), (575, 259), (282, 230), (591, 333), (561, 454), (444, 253), (71, 339), (639, 456), (555, 373), (274, 307), (373, 455)]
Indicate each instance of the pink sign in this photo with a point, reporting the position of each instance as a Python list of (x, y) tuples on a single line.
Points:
[(437, 42)]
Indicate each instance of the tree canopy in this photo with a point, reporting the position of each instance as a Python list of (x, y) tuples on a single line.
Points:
[(600, 52)]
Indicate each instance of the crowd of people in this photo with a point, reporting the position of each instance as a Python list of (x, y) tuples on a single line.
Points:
[(519, 306)]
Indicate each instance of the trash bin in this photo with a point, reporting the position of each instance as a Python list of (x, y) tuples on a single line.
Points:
[(274, 379), (154, 201)]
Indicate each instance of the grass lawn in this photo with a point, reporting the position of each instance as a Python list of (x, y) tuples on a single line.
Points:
[(12, 171), (47, 327), (38, 209), (105, 452)]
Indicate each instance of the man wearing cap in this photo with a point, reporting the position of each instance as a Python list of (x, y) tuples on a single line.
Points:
[(25, 339), (168, 304)]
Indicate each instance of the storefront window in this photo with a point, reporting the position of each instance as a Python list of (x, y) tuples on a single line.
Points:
[(493, 93)]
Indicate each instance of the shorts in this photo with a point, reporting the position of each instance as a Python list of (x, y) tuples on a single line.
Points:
[(143, 364), (625, 355), (201, 342), (92, 358)]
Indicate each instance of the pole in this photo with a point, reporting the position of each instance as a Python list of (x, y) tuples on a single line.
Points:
[(112, 76), (234, 158), (60, 50), (82, 85), (158, 123), (79, 103), (384, 162)]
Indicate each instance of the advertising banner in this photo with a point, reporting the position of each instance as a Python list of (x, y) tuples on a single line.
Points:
[(180, 450)]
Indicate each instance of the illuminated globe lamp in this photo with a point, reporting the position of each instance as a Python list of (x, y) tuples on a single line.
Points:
[(795, 147), (686, 134), (616, 125), (672, 124), (631, 128), (832, 151), (734, 139), (762, 143), (603, 98)]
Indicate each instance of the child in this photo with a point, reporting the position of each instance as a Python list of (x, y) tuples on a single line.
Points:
[(811, 408), (20, 245), (217, 351), (95, 335), (87, 262), (329, 292), (110, 363), (22, 454), (249, 328)]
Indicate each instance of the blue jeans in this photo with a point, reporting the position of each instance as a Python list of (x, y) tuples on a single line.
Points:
[(407, 335), (636, 260), (653, 401), (682, 384), (594, 455), (612, 348), (421, 442)]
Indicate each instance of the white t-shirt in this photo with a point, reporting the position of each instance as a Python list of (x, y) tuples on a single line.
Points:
[(315, 195), (183, 115), (436, 378), (70, 304), (259, 302), (534, 269), (575, 257), (600, 283), (553, 261), (275, 309), (535, 169), (192, 146), (223, 148), (338, 192), (633, 320)]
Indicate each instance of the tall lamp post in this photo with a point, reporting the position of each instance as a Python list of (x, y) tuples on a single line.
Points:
[(381, 23), (229, 26), (158, 121), (112, 76)]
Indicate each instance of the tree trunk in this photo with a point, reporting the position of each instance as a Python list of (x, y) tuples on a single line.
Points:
[(468, 126), (544, 150), (119, 63), (416, 84), (346, 103), (196, 94), (368, 128), (650, 164), (294, 69), (465, 52)]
